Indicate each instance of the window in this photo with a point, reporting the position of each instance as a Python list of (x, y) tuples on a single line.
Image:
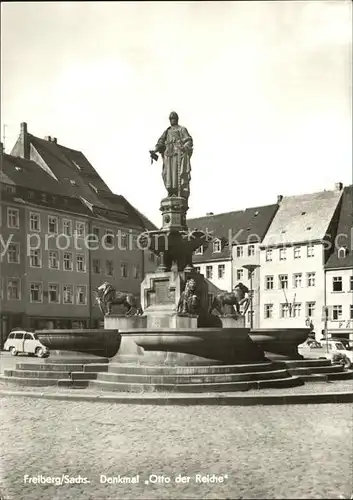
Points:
[(310, 279), (13, 289), (250, 316), (296, 310), (209, 272), (269, 255), (13, 219), (351, 311), (13, 255), (310, 251), (81, 295), (80, 263), (136, 271), (297, 252), (67, 261), (95, 231), (109, 237), (251, 250), (240, 251), (336, 312), (268, 311), (284, 311), (283, 281), (36, 293), (199, 251), (96, 266), (221, 270), (67, 294), (35, 258), (240, 274), (337, 284), (28, 336), (53, 293), (310, 309), (217, 246), (67, 227), (269, 283), (80, 229), (34, 221), (282, 254), (53, 259), (52, 224), (342, 253), (351, 283), (109, 268), (123, 270), (124, 241), (197, 269), (297, 280)]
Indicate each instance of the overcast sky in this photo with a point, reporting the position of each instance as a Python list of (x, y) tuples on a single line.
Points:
[(264, 88)]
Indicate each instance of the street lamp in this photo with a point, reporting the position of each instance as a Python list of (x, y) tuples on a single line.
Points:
[(251, 268)]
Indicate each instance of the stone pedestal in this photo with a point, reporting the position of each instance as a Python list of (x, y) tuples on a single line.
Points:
[(174, 212), (122, 322), (160, 296), (232, 321)]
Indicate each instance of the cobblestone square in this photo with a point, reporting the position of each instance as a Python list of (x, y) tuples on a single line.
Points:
[(298, 451)]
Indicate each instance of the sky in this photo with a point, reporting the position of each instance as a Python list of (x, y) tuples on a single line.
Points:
[(264, 88)]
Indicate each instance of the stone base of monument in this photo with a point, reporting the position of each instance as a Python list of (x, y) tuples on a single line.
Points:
[(121, 322), (232, 321), (280, 343)]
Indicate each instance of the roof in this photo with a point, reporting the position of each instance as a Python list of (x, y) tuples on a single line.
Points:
[(233, 228), (339, 259), (302, 218), (70, 171)]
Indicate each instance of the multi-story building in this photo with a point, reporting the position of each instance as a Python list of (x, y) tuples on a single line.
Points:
[(235, 243), (339, 272), (292, 258), (66, 234)]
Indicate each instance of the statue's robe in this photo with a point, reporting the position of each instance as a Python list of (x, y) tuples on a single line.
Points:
[(176, 147)]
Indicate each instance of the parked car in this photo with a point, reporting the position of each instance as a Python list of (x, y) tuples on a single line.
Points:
[(348, 344), (21, 341), (330, 349)]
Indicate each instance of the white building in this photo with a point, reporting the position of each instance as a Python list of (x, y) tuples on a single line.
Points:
[(292, 258), (339, 273)]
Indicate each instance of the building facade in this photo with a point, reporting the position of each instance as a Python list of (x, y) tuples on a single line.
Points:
[(235, 239), (58, 245), (292, 258), (339, 273)]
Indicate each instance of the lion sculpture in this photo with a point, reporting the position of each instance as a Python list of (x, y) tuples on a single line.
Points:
[(107, 296), (225, 302)]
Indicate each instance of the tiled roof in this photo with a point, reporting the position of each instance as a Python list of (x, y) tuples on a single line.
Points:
[(73, 174), (28, 174), (236, 228), (344, 234), (302, 218)]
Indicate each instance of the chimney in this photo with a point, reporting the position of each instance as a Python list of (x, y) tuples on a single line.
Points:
[(24, 141), (338, 186), (47, 138), (2, 151), (54, 140), (209, 213), (279, 198)]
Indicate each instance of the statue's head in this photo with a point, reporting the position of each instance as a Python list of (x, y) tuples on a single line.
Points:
[(191, 285), (174, 118)]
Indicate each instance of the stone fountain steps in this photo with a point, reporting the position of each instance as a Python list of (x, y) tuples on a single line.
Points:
[(195, 388), (189, 370), (176, 379), (29, 382), (318, 369), (39, 374)]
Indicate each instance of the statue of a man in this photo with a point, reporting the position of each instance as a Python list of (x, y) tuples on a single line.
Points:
[(175, 147)]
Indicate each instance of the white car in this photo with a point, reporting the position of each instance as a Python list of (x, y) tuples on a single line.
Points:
[(21, 341), (333, 350)]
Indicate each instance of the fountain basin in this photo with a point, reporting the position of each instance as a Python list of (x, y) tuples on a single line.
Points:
[(97, 342), (280, 343), (229, 345)]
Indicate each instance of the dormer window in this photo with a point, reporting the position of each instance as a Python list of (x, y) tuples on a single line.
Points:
[(19, 169), (76, 165), (10, 189), (217, 247), (199, 251), (93, 187), (342, 252), (73, 183)]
